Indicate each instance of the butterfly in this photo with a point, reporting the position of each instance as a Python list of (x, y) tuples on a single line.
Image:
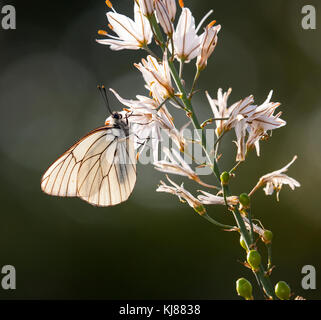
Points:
[(100, 168)]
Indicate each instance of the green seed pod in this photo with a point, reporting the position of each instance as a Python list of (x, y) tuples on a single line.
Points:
[(242, 243), (254, 259), (225, 177), (267, 236), (244, 200), (282, 290), (244, 288)]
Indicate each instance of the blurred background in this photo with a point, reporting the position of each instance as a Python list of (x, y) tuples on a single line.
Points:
[(151, 247)]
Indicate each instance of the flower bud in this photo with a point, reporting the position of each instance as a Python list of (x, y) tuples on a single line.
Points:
[(254, 259), (208, 44), (171, 8), (244, 288), (244, 200), (267, 236), (164, 17), (282, 290), (147, 7), (242, 243), (225, 177)]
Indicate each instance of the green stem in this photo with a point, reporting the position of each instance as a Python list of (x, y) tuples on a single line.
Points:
[(211, 220), (197, 75), (269, 249), (235, 167), (157, 31), (251, 226)]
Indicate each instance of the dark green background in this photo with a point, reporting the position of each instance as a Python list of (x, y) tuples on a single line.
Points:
[(151, 246)]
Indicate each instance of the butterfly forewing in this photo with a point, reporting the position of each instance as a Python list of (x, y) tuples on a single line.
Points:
[(100, 168)]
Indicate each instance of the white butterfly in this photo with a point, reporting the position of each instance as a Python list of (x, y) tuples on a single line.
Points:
[(100, 168)]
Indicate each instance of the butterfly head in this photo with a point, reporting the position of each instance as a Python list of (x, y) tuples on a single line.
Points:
[(116, 118)]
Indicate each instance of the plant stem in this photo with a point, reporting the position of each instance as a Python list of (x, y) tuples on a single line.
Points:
[(198, 72), (251, 226), (211, 220), (260, 275)]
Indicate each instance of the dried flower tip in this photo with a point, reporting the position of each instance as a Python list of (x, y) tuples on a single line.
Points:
[(109, 4), (211, 24), (102, 32)]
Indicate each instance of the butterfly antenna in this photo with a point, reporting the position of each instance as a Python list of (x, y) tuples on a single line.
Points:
[(103, 93)]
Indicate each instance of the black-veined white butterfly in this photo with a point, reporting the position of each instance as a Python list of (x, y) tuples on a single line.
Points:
[(100, 168)]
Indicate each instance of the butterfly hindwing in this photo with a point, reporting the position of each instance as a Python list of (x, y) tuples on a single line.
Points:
[(100, 168)]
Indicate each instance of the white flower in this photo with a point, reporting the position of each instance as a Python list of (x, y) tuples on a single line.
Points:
[(208, 198), (146, 6), (171, 8), (245, 118), (175, 165), (131, 34), (163, 17), (275, 180), (177, 136), (241, 110), (240, 131), (236, 112), (157, 77), (208, 44), (185, 38), (261, 121), (183, 195)]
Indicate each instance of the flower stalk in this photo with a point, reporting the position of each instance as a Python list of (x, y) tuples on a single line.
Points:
[(147, 116)]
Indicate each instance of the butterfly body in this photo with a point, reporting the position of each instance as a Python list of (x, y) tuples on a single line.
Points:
[(100, 168)]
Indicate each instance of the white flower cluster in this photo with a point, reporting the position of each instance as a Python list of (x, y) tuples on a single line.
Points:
[(149, 115), (246, 119)]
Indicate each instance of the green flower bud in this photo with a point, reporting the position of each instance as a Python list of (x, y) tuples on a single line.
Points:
[(254, 259), (282, 290), (267, 236), (242, 243), (244, 200), (244, 288), (225, 177)]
